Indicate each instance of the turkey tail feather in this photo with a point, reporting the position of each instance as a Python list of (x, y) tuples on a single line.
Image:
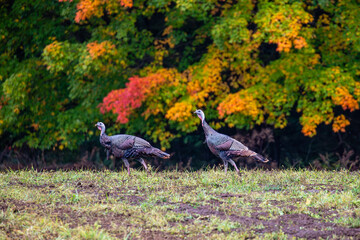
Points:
[(260, 158), (157, 152), (151, 151)]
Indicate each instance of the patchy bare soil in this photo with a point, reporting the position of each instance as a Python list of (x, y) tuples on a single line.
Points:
[(175, 205)]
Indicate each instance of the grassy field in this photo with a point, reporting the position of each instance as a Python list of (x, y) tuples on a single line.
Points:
[(171, 205)]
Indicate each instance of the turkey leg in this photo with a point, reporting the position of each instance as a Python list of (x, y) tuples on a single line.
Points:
[(233, 163), (127, 165), (144, 164)]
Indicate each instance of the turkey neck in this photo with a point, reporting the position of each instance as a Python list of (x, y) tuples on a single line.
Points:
[(102, 131), (207, 129), (104, 138)]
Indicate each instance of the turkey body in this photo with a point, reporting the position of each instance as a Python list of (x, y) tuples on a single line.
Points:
[(226, 147), (128, 147)]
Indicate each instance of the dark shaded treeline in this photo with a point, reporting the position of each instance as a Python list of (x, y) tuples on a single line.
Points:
[(286, 148)]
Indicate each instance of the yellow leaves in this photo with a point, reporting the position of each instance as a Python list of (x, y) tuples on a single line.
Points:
[(310, 121), (339, 124), (281, 121), (206, 80), (53, 56), (333, 87), (324, 19), (161, 45), (314, 60), (98, 49), (242, 102), (159, 56), (277, 18), (16, 110), (284, 24), (357, 90), (336, 70), (194, 87), (53, 48), (343, 98), (180, 112)]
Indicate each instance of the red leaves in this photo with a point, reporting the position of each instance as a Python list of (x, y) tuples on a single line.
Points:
[(123, 101), (126, 3)]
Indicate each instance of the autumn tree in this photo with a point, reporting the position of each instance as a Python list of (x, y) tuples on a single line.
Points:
[(145, 66)]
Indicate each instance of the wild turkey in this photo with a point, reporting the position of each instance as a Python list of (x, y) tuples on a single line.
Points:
[(224, 146), (128, 147)]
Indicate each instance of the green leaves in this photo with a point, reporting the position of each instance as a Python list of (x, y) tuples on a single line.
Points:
[(246, 62)]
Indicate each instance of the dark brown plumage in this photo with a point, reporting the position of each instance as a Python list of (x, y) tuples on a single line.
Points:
[(128, 147), (224, 146)]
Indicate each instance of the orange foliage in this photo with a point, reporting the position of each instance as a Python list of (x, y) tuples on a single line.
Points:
[(287, 37), (345, 99), (54, 47), (284, 44), (300, 42), (242, 103), (98, 49), (88, 8), (310, 124), (126, 3), (339, 124), (180, 112)]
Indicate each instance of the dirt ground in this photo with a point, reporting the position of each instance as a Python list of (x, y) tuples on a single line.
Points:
[(258, 219)]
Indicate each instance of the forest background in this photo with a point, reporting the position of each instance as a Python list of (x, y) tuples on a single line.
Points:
[(280, 76)]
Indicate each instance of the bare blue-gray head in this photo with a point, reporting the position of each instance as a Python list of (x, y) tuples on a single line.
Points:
[(201, 115), (100, 126)]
